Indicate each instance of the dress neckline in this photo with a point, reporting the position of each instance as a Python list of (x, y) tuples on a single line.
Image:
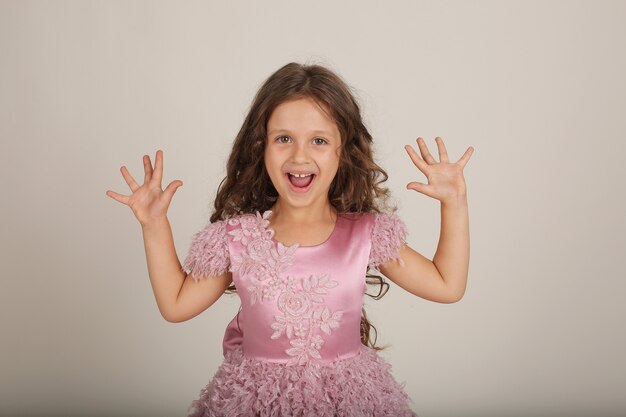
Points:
[(268, 214)]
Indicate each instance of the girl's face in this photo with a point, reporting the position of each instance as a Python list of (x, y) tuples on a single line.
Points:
[(302, 139)]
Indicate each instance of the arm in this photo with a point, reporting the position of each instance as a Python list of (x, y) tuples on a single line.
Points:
[(179, 296), (444, 279)]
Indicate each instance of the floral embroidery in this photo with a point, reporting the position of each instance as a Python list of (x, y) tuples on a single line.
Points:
[(299, 299), (300, 318)]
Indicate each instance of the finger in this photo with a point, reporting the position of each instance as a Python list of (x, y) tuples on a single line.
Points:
[(118, 197), (424, 150), (466, 156), (157, 175), (129, 179), (147, 169), (443, 153), (419, 162)]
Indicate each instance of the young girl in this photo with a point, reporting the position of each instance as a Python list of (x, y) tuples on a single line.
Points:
[(297, 224)]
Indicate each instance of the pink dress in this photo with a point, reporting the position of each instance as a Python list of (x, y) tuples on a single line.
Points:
[(295, 349)]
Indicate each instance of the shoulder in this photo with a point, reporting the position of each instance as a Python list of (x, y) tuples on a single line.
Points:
[(210, 231), (246, 227), (388, 235), (378, 224), (221, 229), (208, 253), (249, 220), (385, 223)]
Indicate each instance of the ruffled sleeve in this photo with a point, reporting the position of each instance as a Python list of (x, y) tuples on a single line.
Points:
[(388, 236), (208, 254)]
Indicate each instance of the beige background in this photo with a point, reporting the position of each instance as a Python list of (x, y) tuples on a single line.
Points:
[(538, 89)]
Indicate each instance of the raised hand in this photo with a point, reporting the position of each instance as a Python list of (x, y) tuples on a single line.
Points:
[(148, 201), (445, 179)]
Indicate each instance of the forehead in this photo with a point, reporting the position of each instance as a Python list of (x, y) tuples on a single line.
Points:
[(301, 115)]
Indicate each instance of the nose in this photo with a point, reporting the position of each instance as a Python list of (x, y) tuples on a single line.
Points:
[(300, 152)]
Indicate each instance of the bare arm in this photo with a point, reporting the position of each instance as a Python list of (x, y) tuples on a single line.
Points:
[(178, 296), (453, 250), (444, 279)]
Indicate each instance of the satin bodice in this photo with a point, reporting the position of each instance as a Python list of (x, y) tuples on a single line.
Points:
[(298, 303)]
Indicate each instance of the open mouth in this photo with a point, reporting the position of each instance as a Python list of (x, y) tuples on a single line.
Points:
[(300, 182)]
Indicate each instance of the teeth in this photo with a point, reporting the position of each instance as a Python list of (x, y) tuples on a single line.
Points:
[(300, 175)]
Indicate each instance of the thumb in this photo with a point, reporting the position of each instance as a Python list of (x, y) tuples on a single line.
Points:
[(171, 188), (417, 186)]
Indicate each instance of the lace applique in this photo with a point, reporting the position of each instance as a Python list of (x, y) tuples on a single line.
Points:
[(300, 317), (299, 299)]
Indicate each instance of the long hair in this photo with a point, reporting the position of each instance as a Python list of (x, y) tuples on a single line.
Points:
[(356, 188)]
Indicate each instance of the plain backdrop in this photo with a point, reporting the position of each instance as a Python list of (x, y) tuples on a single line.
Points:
[(537, 88)]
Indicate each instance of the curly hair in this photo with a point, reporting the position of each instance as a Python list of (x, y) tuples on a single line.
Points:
[(356, 188)]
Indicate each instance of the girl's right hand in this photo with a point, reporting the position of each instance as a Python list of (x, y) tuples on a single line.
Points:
[(148, 201)]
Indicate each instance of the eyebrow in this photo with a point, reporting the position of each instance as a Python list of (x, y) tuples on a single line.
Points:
[(322, 132)]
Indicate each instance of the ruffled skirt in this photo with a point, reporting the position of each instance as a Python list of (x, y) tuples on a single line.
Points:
[(358, 386)]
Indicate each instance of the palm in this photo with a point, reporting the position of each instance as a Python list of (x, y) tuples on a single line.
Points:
[(445, 179), (148, 201)]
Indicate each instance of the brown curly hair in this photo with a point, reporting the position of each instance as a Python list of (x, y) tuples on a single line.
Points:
[(356, 188)]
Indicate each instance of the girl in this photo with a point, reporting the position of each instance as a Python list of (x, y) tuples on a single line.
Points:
[(298, 222)]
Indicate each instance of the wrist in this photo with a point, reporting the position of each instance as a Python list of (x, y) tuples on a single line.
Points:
[(156, 223), (456, 201)]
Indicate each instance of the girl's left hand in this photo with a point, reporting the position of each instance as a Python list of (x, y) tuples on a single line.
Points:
[(445, 179)]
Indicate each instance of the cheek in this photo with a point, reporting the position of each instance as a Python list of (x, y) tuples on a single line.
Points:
[(330, 161), (268, 160), (273, 166)]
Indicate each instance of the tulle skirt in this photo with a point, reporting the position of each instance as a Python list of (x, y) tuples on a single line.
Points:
[(358, 386)]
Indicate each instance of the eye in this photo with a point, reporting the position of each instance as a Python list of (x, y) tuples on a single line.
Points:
[(320, 141)]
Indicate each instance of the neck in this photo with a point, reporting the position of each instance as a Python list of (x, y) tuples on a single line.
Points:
[(309, 214)]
